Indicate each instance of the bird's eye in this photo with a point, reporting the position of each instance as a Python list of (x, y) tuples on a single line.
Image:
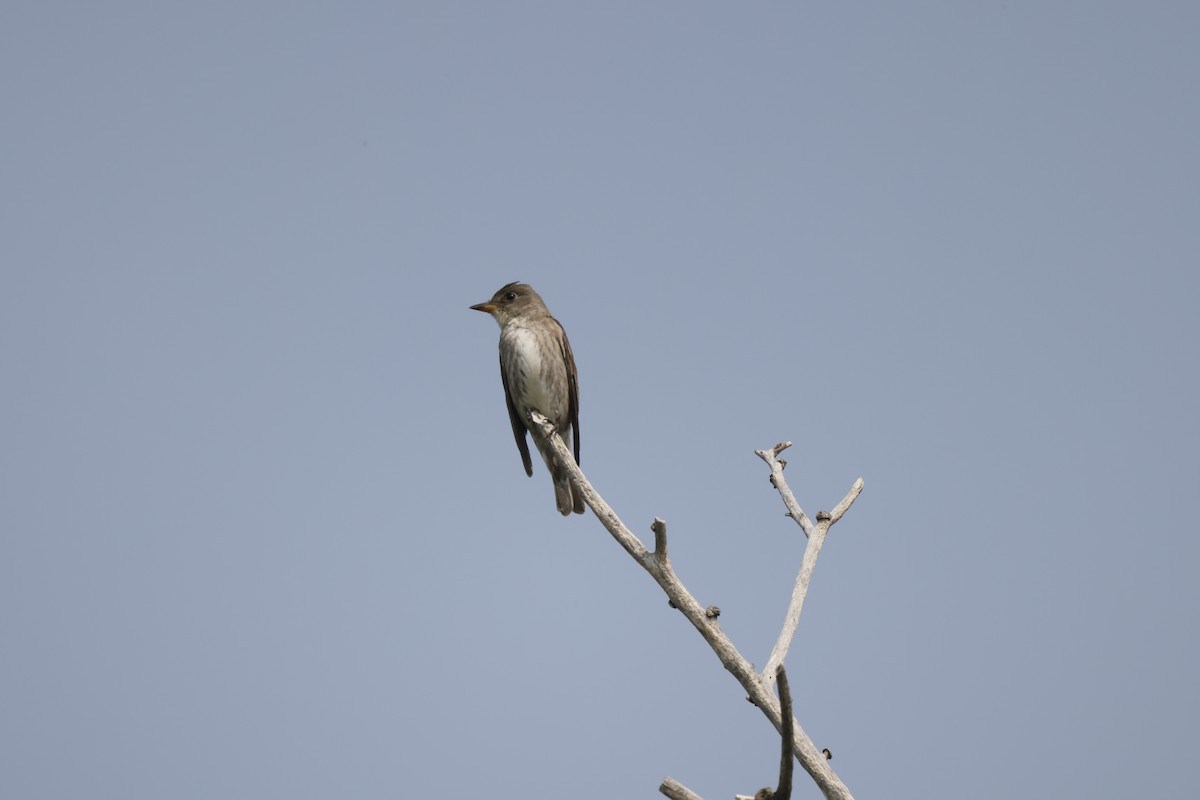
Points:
[(510, 296)]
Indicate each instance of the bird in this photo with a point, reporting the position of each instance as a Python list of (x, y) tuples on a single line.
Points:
[(538, 371)]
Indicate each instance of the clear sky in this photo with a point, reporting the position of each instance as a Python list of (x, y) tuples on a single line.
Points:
[(263, 529)]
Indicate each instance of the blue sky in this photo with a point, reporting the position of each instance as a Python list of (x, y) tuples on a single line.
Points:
[(263, 529)]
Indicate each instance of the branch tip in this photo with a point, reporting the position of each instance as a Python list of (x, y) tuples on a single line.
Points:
[(847, 501), (676, 790), (659, 527)]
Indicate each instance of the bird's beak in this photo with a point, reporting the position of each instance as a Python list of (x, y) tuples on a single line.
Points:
[(486, 308)]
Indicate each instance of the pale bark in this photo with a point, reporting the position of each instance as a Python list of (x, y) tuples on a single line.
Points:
[(816, 539), (658, 565)]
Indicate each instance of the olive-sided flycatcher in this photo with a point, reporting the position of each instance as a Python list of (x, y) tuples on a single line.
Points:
[(538, 372)]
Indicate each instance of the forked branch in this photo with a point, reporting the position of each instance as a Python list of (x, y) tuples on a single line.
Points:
[(816, 539), (657, 564)]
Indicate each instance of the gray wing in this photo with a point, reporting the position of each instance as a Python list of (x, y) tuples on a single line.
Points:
[(573, 390), (518, 425)]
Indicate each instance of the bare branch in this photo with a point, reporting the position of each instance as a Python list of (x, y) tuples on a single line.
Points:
[(789, 500), (757, 689), (816, 539), (677, 791), (608, 518), (784, 789), (847, 501)]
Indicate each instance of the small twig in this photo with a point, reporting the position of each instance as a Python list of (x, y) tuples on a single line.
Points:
[(660, 539), (677, 791), (847, 501), (784, 790), (789, 500)]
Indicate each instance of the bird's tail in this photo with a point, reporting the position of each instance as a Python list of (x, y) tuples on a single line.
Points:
[(566, 496)]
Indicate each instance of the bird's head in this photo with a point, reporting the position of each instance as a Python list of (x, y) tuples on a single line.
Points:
[(512, 300)]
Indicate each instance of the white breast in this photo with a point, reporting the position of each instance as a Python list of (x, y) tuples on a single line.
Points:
[(533, 369)]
